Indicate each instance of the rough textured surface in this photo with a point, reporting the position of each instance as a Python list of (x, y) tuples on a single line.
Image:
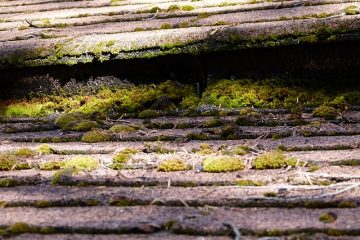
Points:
[(49, 33)]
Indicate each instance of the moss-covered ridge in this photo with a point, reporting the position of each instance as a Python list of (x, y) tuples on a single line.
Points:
[(84, 49)]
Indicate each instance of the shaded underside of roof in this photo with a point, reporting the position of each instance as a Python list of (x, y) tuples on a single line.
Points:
[(43, 33)]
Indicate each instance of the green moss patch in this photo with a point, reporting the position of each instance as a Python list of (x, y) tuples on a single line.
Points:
[(173, 164), (45, 149), (240, 150), (68, 121), (123, 129), (96, 135), (82, 163), (7, 161), (272, 160), (85, 126), (328, 217), (326, 112), (222, 164), (250, 183), (215, 122), (25, 152), (121, 158), (52, 165)]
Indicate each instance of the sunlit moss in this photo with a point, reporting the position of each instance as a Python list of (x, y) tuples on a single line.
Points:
[(25, 152), (272, 160), (173, 164), (222, 164), (96, 135), (51, 165), (7, 161), (45, 149), (82, 163)]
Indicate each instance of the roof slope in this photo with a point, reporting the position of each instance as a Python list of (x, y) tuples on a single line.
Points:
[(39, 33)]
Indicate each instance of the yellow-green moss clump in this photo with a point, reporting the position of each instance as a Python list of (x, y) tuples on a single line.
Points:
[(326, 112), (272, 160), (68, 121), (86, 126), (215, 122), (96, 135), (250, 183), (121, 158), (222, 164), (45, 149), (82, 163), (122, 129), (328, 217), (7, 161), (129, 151), (148, 113), (53, 165), (205, 149), (25, 152), (249, 112), (173, 164), (240, 150), (22, 166)]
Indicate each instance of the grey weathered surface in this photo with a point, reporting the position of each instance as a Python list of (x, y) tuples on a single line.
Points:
[(71, 32)]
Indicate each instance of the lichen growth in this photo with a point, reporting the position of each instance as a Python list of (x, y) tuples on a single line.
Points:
[(272, 160), (96, 135), (173, 164), (222, 164)]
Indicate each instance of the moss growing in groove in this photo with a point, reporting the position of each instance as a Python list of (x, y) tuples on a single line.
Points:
[(8, 182), (270, 194), (215, 122), (45, 149), (123, 129), (240, 150), (148, 113), (22, 166), (173, 164), (96, 135), (222, 164), (129, 151), (326, 112), (187, 8), (121, 158), (52, 165), (250, 183), (205, 149), (25, 152), (86, 126), (272, 160), (166, 26), (82, 163), (7, 161), (197, 136), (68, 121), (328, 217)]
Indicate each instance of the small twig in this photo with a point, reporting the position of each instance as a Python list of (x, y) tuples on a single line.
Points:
[(339, 191), (234, 229), (154, 16), (31, 24)]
